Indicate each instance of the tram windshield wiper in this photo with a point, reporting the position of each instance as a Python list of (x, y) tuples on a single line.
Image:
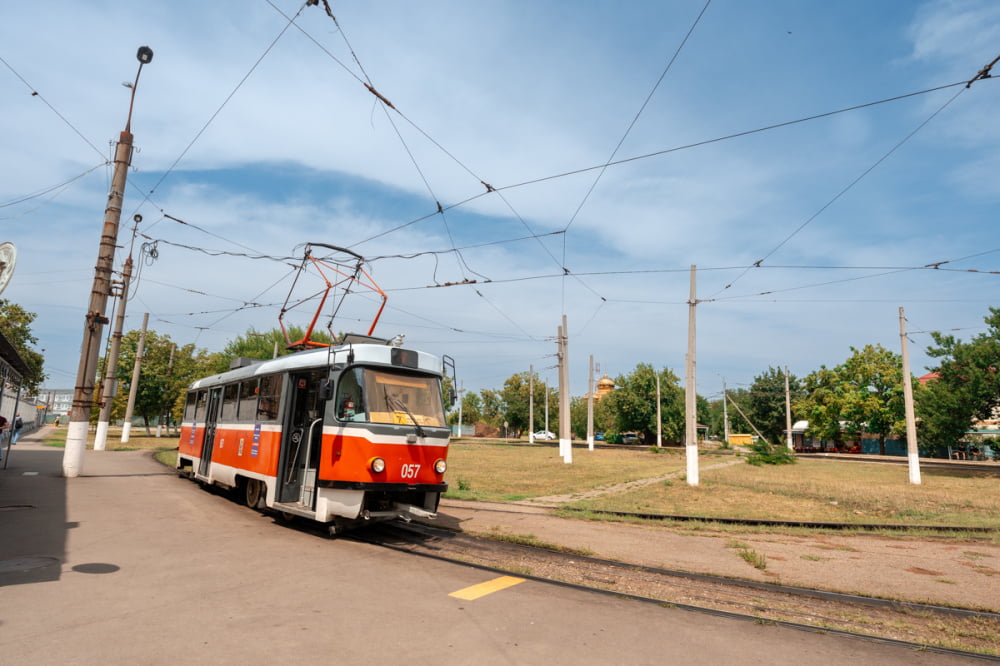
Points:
[(398, 405)]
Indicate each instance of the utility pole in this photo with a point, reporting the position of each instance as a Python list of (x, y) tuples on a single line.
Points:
[(460, 392), (659, 419), (110, 383), (912, 452), (127, 425), (545, 391), (531, 404), (725, 413), (690, 393), (166, 413), (788, 412), (94, 320), (590, 406), (565, 438)]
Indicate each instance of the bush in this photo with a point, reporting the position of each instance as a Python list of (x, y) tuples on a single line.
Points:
[(762, 453)]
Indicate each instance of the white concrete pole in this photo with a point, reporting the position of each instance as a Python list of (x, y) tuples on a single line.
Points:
[(110, 382), (912, 452), (565, 435), (460, 392), (127, 425), (788, 412), (545, 392), (690, 392), (590, 406), (531, 404), (725, 413), (659, 420)]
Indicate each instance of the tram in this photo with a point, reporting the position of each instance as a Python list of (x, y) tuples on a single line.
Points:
[(343, 435)]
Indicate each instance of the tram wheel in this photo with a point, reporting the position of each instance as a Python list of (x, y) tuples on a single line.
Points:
[(254, 493)]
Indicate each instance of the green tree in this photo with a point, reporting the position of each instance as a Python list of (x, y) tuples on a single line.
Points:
[(967, 387), (514, 398), (15, 322), (162, 384), (863, 394), (262, 345), (492, 411), (472, 406), (634, 404), (737, 424), (820, 404), (765, 402)]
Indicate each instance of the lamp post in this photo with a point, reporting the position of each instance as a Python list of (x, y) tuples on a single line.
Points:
[(95, 319), (659, 421)]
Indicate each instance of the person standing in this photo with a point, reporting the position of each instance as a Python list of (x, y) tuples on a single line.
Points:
[(4, 426), (18, 424)]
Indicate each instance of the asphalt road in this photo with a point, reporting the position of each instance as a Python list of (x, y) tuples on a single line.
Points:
[(130, 564)]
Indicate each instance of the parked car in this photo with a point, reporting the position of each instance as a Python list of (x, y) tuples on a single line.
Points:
[(599, 436), (544, 434), (630, 438)]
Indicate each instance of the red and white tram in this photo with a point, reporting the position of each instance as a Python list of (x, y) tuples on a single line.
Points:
[(341, 435)]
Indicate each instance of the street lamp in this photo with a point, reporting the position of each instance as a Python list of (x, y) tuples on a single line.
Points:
[(94, 320)]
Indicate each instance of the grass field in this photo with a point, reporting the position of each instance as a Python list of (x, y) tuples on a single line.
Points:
[(810, 490), (137, 441), (822, 491), (497, 472)]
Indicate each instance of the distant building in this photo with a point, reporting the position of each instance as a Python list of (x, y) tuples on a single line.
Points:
[(58, 401), (605, 385)]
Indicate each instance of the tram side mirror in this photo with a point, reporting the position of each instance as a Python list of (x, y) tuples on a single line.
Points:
[(326, 389), (454, 396)]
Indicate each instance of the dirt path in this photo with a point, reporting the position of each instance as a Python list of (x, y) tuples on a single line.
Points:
[(938, 571), (556, 500)]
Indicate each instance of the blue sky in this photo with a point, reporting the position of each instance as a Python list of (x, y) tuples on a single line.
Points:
[(509, 93)]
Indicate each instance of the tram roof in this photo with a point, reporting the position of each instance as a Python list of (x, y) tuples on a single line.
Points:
[(374, 354)]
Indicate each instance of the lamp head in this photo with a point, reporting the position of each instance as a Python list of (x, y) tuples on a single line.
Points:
[(144, 55)]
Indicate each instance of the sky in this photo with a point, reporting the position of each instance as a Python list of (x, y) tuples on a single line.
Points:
[(584, 155)]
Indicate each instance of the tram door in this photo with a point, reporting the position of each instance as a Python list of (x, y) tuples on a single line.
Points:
[(208, 441), (302, 435)]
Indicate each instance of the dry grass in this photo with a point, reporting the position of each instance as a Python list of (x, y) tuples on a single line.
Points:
[(823, 491), (496, 472), (137, 441)]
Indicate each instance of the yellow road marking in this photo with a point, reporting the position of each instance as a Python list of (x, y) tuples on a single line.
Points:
[(489, 587)]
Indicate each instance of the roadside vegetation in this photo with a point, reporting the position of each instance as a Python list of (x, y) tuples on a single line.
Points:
[(137, 441), (495, 472), (811, 490)]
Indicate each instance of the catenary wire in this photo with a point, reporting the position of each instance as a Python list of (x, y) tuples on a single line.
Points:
[(239, 85), (846, 189)]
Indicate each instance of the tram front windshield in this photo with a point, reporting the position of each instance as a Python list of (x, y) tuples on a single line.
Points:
[(377, 396)]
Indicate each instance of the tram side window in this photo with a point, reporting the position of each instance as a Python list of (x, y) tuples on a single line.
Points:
[(350, 397), (248, 401), (189, 406), (270, 393), (194, 408), (228, 414)]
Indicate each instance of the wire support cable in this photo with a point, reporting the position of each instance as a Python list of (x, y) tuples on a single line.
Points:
[(239, 85), (845, 190), (35, 93), (659, 153), (635, 119)]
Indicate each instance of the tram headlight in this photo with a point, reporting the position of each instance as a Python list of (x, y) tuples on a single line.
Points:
[(440, 466), (377, 465)]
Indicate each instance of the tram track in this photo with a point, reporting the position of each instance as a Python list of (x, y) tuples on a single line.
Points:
[(760, 522), (957, 631)]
